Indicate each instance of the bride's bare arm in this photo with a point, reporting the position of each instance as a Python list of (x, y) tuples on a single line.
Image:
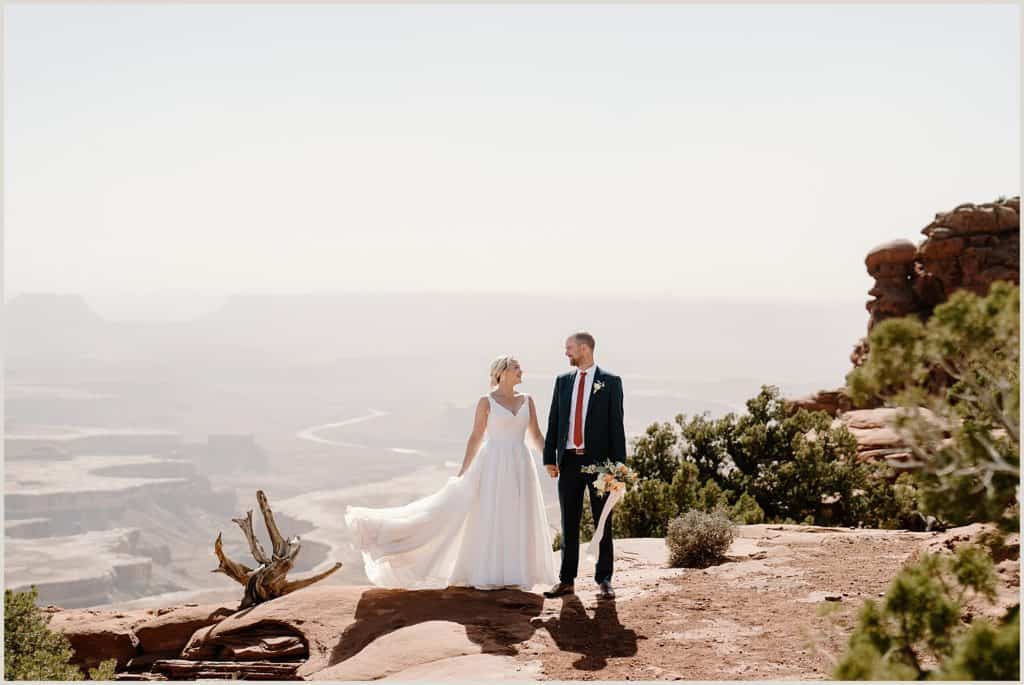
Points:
[(533, 432), (477, 436)]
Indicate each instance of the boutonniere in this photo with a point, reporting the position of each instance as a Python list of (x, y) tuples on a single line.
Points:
[(597, 387)]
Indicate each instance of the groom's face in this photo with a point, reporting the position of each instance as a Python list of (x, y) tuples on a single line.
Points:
[(572, 351)]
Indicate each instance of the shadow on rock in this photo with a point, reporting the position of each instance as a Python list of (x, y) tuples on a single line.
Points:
[(495, 619), (595, 639)]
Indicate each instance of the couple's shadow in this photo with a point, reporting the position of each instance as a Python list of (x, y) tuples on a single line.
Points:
[(594, 639), (498, 621)]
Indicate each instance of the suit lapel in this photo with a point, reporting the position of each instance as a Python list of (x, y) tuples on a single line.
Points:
[(590, 403), (567, 395)]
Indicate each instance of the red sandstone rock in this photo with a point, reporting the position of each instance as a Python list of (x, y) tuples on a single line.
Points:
[(360, 633), (831, 401), (892, 252), (876, 439), (169, 631), (97, 635), (935, 248), (308, 631), (968, 248)]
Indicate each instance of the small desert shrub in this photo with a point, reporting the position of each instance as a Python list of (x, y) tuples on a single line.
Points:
[(919, 624), (34, 652), (698, 539)]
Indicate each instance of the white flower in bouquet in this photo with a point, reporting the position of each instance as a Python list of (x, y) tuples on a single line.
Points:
[(612, 477)]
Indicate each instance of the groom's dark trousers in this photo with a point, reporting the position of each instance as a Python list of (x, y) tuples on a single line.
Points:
[(571, 484), (604, 439)]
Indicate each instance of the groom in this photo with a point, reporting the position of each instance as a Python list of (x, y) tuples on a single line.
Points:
[(584, 427)]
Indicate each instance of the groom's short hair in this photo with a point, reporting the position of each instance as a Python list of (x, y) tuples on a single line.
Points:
[(582, 337)]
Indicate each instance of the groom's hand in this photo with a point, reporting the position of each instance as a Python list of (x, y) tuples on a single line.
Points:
[(552, 470)]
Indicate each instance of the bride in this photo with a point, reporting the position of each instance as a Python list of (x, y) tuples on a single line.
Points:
[(486, 527)]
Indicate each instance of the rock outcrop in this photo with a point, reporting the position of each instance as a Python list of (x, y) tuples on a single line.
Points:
[(666, 623), (876, 438), (332, 632), (833, 402), (967, 248)]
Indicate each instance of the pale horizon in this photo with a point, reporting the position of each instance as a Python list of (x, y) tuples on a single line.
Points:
[(734, 153), (176, 305)]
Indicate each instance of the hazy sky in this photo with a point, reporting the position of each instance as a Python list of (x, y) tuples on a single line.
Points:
[(703, 151)]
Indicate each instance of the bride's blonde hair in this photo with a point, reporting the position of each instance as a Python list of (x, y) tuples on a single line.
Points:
[(500, 366)]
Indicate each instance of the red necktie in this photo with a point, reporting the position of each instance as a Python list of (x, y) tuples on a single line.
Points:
[(577, 430)]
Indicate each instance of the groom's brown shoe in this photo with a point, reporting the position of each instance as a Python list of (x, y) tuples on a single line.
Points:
[(606, 591), (560, 589)]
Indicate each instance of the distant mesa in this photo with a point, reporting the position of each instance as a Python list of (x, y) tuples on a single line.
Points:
[(60, 309), (77, 497)]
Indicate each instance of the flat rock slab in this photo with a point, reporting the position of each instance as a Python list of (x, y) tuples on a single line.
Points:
[(755, 616)]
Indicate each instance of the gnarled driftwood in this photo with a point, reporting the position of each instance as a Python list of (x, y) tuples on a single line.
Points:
[(269, 579)]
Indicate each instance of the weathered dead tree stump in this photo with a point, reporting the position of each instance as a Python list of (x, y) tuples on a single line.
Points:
[(269, 579)]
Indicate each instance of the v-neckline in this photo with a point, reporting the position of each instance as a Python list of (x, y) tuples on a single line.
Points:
[(513, 413)]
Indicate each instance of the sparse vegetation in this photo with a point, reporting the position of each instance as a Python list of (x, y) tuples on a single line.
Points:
[(698, 539), (919, 621), (762, 466), (34, 652), (963, 367)]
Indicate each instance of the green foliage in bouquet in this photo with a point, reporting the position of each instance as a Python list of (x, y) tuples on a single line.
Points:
[(918, 622), (34, 652), (957, 376)]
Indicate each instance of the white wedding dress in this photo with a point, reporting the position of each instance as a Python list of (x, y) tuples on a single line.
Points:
[(487, 529)]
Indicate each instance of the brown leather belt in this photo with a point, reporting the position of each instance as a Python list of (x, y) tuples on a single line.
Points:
[(579, 452)]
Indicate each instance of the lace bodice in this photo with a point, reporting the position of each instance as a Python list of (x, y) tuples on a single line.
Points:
[(503, 425)]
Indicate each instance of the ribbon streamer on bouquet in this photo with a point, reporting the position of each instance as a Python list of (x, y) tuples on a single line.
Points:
[(613, 498)]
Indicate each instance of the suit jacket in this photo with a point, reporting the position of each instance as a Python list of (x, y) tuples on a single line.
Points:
[(604, 435)]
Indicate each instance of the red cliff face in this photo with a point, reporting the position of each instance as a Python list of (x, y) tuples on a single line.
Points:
[(967, 248)]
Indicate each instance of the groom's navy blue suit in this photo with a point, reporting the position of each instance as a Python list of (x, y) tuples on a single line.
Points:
[(604, 438)]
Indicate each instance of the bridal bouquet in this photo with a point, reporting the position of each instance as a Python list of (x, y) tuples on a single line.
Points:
[(613, 480), (615, 477)]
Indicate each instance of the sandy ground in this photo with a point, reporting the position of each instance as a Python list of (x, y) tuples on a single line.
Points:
[(780, 607), (758, 616)]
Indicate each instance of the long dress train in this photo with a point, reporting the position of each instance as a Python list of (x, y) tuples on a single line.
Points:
[(487, 529)]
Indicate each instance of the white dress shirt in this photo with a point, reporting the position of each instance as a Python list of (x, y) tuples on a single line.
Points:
[(588, 386)]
